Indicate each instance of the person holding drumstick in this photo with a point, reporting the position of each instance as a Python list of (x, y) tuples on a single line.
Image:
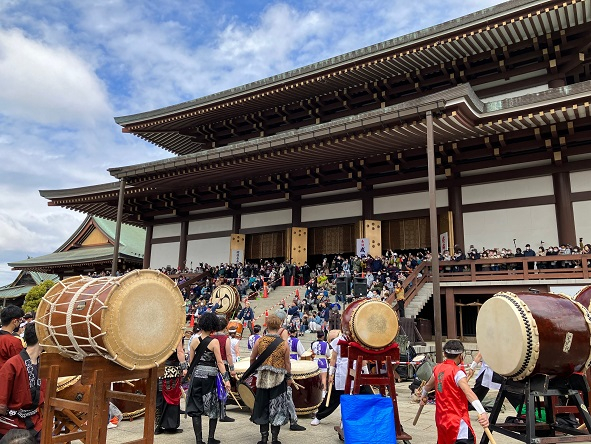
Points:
[(452, 390), (202, 398), (273, 376)]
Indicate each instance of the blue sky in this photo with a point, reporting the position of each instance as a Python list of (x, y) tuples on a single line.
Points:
[(68, 67)]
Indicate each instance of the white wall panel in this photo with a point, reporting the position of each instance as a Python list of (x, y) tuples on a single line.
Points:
[(166, 230), (335, 211), (498, 228), (583, 220), (407, 202), (580, 181), (265, 219), (512, 189), (210, 225), (164, 255), (212, 251)]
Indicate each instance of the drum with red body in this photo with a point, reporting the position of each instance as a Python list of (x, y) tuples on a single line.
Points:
[(306, 399), (584, 297), (529, 333), (235, 324), (371, 323)]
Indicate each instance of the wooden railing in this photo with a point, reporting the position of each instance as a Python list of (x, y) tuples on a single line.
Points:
[(508, 269)]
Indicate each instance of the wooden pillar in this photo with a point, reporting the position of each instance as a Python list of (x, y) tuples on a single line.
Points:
[(183, 245), (237, 248), (236, 222), (299, 245), (450, 312), (565, 217), (118, 227), (148, 246), (367, 203), (454, 194), (296, 213), (372, 230)]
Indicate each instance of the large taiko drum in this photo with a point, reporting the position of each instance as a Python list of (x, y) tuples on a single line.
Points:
[(584, 297), (235, 324), (529, 333), (305, 373), (371, 323), (227, 298), (136, 320)]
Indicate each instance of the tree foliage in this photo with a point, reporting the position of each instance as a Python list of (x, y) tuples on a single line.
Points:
[(33, 297)]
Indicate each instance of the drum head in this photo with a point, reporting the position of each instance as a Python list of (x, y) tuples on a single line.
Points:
[(374, 324), (240, 367), (66, 381), (247, 395), (226, 297), (304, 369), (144, 319), (504, 332)]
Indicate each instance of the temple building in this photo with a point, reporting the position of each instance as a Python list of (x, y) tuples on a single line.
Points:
[(89, 251), (304, 163)]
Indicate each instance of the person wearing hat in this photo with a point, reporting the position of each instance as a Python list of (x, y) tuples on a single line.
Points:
[(10, 345), (234, 344), (452, 390)]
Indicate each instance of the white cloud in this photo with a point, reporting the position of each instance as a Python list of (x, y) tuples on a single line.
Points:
[(48, 84)]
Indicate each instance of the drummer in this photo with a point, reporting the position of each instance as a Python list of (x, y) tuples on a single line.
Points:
[(296, 348), (321, 352), (254, 337)]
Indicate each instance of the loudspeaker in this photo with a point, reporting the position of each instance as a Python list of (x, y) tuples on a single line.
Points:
[(342, 286), (359, 287)]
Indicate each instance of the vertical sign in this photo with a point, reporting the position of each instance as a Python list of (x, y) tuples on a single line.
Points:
[(362, 247), (444, 241), (237, 256)]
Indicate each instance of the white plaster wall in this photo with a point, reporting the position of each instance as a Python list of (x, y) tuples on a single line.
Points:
[(166, 230), (213, 251), (210, 225), (498, 228), (335, 211), (265, 219), (512, 189), (408, 202), (164, 255), (580, 181), (583, 220)]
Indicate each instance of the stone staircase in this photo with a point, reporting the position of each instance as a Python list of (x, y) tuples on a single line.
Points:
[(272, 302), (419, 301)]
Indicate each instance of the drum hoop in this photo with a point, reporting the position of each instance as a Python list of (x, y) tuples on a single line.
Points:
[(587, 317), (68, 383), (585, 288), (352, 323), (135, 414), (533, 337), (305, 375)]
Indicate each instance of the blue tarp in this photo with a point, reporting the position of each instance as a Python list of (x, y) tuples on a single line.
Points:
[(368, 419)]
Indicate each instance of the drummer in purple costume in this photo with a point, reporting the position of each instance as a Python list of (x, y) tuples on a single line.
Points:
[(321, 352), (296, 348)]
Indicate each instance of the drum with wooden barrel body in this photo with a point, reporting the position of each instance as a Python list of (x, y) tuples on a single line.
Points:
[(227, 298), (371, 323), (235, 324), (135, 320), (583, 297), (525, 334), (308, 355), (305, 373)]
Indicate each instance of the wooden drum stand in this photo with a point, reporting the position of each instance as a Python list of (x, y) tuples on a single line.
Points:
[(93, 416), (357, 353)]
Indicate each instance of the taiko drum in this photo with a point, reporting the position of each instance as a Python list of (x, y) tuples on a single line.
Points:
[(135, 320), (371, 323), (525, 334)]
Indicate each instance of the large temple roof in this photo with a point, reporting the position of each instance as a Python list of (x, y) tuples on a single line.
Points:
[(453, 52)]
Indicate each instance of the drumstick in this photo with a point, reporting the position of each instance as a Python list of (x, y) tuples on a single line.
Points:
[(297, 386), (235, 400), (418, 415), (581, 427), (489, 435), (328, 395), (129, 383)]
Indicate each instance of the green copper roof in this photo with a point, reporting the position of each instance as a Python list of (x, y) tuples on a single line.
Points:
[(76, 256)]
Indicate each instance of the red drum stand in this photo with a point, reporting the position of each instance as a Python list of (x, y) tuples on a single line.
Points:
[(357, 353)]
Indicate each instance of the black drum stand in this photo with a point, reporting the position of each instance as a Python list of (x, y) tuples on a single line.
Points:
[(532, 390)]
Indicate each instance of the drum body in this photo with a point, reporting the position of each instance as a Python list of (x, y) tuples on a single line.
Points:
[(584, 297), (227, 298), (529, 333), (247, 389), (305, 373), (136, 320), (309, 398), (308, 355), (235, 324), (371, 323)]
